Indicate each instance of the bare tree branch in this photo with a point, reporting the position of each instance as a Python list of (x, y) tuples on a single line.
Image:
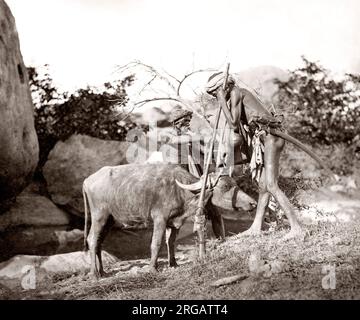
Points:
[(189, 75), (143, 102), (147, 84), (126, 67), (171, 76), (150, 69), (172, 82), (228, 280)]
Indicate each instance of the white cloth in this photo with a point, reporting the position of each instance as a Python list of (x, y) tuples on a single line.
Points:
[(257, 158), (217, 81)]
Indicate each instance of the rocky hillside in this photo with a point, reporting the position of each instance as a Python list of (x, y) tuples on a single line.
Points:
[(261, 79)]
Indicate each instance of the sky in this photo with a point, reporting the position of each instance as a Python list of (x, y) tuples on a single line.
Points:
[(83, 40)]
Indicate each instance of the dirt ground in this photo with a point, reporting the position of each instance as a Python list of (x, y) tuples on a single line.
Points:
[(323, 265)]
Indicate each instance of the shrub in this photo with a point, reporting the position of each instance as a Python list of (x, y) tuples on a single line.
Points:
[(319, 108), (86, 111)]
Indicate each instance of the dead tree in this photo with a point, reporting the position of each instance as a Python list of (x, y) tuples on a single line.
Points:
[(173, 87)]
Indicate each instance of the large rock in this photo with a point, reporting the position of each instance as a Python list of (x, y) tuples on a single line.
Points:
[(73, 160), (26, 272), (44, 240), (18, 140), (33, 210)]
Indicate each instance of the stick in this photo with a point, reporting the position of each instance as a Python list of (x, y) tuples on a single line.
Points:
[(228, 280), (201, 233)]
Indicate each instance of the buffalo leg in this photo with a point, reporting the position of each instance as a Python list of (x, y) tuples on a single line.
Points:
[(217, 223), (98, 223), (171, 234), (273, 148), (158, 234), (109, 223)]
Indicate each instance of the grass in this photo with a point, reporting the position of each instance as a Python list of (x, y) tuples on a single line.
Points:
[(274, 269)]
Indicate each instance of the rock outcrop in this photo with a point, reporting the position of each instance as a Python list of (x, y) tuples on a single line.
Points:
[(44, 240), (33, 210), (73, 160), (18, 139), (27, 271)]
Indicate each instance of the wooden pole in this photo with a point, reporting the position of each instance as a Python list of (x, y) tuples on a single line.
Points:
[(200, 210)]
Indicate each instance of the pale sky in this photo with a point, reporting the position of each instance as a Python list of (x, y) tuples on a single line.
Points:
[(82, 40)]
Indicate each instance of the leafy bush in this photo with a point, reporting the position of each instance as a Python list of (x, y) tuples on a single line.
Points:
[(319, 108), (59, 115)]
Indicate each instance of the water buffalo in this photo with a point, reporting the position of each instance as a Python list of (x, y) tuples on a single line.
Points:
[(150, 192)]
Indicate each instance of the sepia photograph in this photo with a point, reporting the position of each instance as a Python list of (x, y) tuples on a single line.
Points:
[(190, 152)]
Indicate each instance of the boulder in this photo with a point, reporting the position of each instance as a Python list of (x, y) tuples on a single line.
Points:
[(69, 239), (18, 139), (45, 240), (6, 293), (33, 210), (26, 271), (73, 160), (73, 262)]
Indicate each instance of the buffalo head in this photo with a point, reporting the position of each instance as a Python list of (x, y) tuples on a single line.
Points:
[(225, 192)]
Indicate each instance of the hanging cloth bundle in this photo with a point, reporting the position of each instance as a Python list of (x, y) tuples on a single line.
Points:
[(257, 157)]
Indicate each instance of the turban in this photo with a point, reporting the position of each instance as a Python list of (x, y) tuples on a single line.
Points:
[(217, 80), (179, 113)]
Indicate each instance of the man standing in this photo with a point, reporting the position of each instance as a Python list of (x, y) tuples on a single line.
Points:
[(241, 122), (245, 114)]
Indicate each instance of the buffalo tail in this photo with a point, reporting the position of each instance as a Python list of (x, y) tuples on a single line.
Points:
[(86, 211)]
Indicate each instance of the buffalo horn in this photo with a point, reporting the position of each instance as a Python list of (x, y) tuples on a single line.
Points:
[(191, 187)]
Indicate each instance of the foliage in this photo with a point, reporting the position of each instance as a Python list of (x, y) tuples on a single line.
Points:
[(86, 111), (318, 107), (43, 91)]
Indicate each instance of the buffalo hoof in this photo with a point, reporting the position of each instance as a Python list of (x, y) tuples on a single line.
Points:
[(103, 274), (95, 275), (173, 264)]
